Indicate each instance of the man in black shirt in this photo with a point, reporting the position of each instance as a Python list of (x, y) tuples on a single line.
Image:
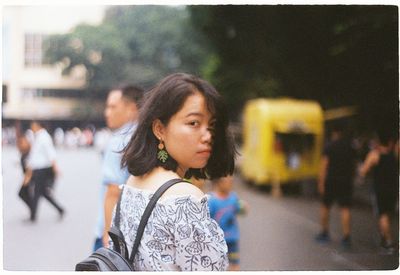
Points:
[(335, 183), (383, 162)]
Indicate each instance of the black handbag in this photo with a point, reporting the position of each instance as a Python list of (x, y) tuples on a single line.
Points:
[(117, 258)]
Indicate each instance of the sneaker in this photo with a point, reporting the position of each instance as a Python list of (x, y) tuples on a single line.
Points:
[(323, 237), (62, 213), (346, 242), (388, 246)]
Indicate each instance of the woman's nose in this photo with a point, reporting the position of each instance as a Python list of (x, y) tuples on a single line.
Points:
[(206, 136)]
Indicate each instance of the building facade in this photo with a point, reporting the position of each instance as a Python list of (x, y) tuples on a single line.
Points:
[(32, 89)]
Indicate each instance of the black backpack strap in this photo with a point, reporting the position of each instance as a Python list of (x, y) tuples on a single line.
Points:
[(147, 212), (119, 242)]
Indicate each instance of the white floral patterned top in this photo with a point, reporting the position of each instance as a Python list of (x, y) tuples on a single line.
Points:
[(179, 236)]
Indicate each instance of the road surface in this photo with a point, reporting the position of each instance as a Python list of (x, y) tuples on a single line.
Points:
[(276, 234)]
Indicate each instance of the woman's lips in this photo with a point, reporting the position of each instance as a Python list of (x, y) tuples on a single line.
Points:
[(205, 153)]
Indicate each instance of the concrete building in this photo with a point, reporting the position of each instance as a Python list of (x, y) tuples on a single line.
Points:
[(32, 89)]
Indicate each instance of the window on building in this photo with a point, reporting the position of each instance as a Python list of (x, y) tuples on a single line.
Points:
[(52, 93), (34, 49), (4, 94)]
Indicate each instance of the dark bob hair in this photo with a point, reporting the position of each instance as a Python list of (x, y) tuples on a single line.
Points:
[(162, 102)]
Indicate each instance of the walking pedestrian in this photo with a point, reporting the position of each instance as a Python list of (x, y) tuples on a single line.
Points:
[(24, 147), (182, 132), (383, 161), (42, 169), (224, 207), (335, 183), (121, 114)]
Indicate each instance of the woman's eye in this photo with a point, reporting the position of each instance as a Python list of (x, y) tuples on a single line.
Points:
[(194, 123)]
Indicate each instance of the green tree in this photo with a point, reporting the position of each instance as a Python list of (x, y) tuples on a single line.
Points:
[(337, 55), (134, 44)]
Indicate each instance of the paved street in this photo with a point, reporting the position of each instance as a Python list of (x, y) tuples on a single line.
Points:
[(61, 243), (276, 234)]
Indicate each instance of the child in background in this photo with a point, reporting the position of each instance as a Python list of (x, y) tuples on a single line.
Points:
[(224, 205)]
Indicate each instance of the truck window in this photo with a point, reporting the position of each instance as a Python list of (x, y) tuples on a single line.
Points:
[(296, 147)]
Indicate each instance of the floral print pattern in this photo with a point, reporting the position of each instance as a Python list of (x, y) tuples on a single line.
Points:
[(180, 235)]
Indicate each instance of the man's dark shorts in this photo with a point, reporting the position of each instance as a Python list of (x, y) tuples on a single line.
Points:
[(341, 192), (386, 201)]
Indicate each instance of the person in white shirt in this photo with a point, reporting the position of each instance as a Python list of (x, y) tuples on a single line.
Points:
[(41, 169)]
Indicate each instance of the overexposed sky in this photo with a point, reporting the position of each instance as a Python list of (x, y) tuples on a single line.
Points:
[(45, 16), (55, 19)]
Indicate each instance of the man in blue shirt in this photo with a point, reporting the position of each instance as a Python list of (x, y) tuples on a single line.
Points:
[(121, 114)]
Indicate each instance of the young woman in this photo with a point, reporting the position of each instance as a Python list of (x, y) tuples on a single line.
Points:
[(182, 133)]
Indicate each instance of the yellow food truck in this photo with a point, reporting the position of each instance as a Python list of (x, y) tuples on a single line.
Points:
[(282, 140)]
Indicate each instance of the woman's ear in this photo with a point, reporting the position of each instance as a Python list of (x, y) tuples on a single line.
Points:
[(158, 129)]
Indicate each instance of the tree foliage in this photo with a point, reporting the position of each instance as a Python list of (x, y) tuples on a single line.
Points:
[(338, 55), (133, 44)]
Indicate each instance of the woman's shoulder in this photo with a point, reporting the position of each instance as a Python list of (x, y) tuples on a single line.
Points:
[(184, 188), (180, 189)]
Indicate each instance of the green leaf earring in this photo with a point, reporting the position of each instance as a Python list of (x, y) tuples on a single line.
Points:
[(162, 154)]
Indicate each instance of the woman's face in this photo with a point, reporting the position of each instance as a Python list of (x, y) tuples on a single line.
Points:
[(188, 135)]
